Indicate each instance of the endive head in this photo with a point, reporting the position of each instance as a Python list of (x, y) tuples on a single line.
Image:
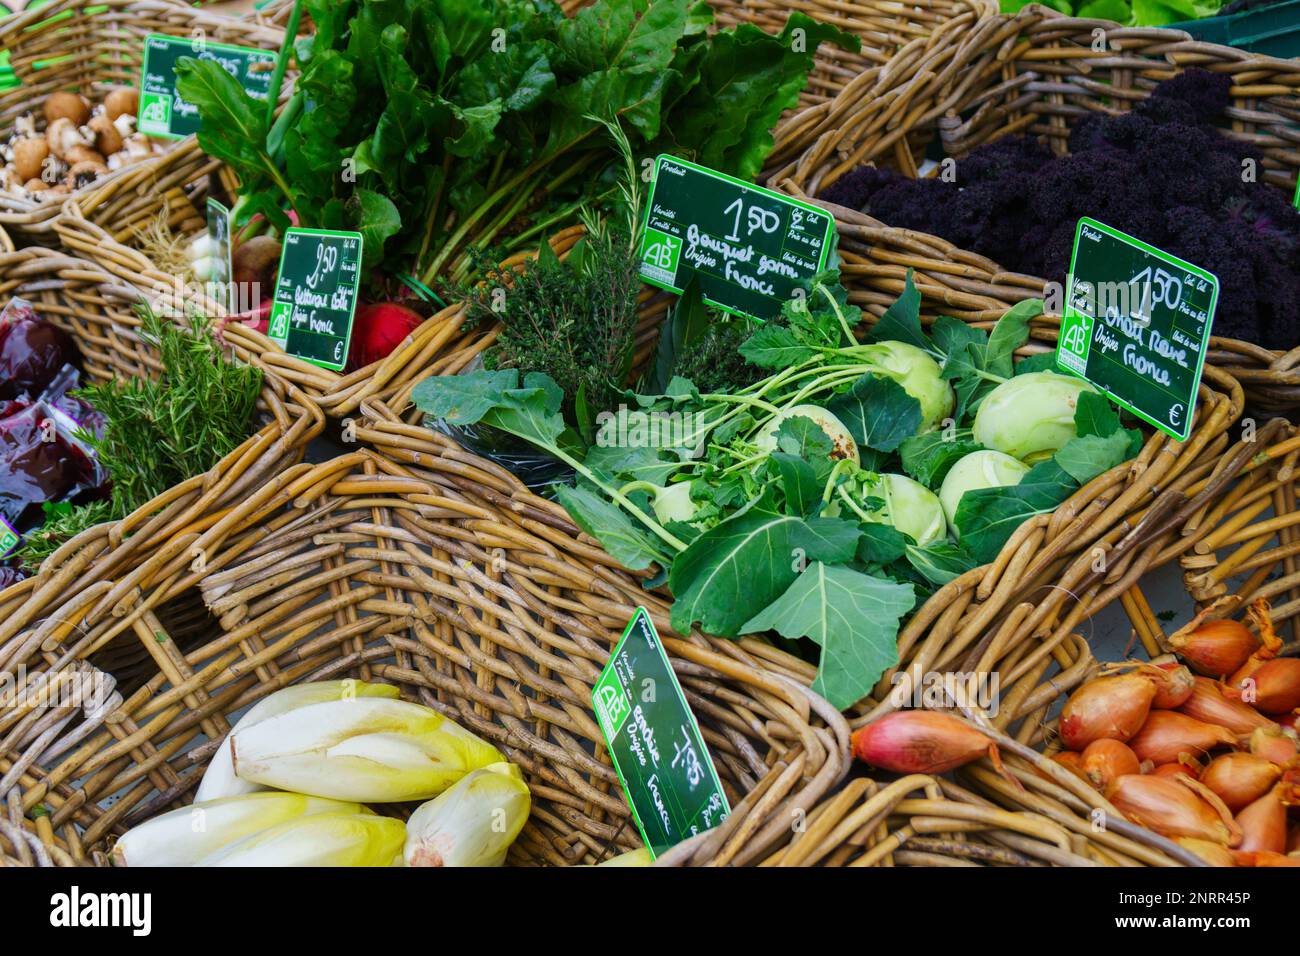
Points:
[(472, 823), (366, 749), (323, 839), (184, 837), (219, 779), (640, 857)]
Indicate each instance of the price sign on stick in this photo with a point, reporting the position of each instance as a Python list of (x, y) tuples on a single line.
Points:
[(667, 774), (316, 295), (162, 111), (219, 250), (9, 538), (1137, 325), (750, 247)]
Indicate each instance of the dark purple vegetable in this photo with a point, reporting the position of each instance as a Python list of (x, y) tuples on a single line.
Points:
[(1161, 172), (32, 351)]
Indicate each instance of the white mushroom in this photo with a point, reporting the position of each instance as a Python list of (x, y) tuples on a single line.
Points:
[(62, 135)]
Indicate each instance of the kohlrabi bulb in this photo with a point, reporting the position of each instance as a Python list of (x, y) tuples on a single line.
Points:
[(842, 444), (979, 469), (909, 506), (1030, 416), (920, 376)]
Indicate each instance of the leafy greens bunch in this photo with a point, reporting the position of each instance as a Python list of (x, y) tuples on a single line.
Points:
[(432, 125), (805, 502)]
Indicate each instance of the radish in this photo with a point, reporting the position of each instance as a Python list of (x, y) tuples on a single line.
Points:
[(378, 329)]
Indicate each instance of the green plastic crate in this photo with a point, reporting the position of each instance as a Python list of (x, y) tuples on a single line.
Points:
[(1273, 30)]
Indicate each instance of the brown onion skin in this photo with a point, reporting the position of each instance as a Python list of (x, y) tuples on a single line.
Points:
[(1216, 648), (1263, 858), (1240, 778), (1174, 684), (1277, 685), (1174, 770), (1106, 760), (1168, 735), (1208, 703), (1263, 824), (1274, 745), (1106, 708), (919, 741), (1169, 808), (1214, 854)]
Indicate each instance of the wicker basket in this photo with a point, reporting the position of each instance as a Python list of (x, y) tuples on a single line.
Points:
[(98, 312), (440, 346), (445, 577), (1035, 72), (96, 47), (975, 816)]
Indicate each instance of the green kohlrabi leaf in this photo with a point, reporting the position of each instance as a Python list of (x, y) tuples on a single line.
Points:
[(1042, 362), (940, 562), (1009, 334), (1085, 457), (987, 517), (902, 320), (463, 399), (803, 491), (854, 617), (928, 457), (735, 569), (1095, 415), (878, 412), (775, 346), (625, 540)]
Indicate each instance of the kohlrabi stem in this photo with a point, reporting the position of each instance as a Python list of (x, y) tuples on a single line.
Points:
[(840, 467), (835, 306), (649, 487), (657, 529), (853, 506)]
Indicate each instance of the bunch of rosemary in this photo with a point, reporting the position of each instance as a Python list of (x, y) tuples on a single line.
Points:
[(159, 432)]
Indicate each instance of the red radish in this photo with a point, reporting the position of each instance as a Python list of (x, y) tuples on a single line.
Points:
[(1215, 648), (1171, 807), (1208, 703), (921, 741), (1106, 707), (1168, 735), (1263, 822), (1274, 745), (1174, 684), (1105, 760), (1273, 686), (1240, 778), (378, 330)]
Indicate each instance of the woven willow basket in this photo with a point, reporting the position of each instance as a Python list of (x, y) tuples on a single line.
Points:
[(440, 346), (1035, 72), (90, 49), (437, 572), (1218, 522)]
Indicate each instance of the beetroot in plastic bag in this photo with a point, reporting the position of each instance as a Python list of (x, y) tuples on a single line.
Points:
[(40, 461), (32, 351)]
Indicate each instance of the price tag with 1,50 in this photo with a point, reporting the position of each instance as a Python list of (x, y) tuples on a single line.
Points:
[(750, 248), (1136, 325), (316, 295)]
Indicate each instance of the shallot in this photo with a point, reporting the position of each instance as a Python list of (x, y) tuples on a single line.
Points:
[(1168, 735), (1171, 807), (1107, 707), (921, 741), (1240, 778)]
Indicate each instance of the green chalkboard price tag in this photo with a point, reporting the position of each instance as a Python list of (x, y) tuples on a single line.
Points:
[(1137, 325), (316, 295), (219, 250), (162, 112), (749, 247), (9, 538), (666, 771)]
